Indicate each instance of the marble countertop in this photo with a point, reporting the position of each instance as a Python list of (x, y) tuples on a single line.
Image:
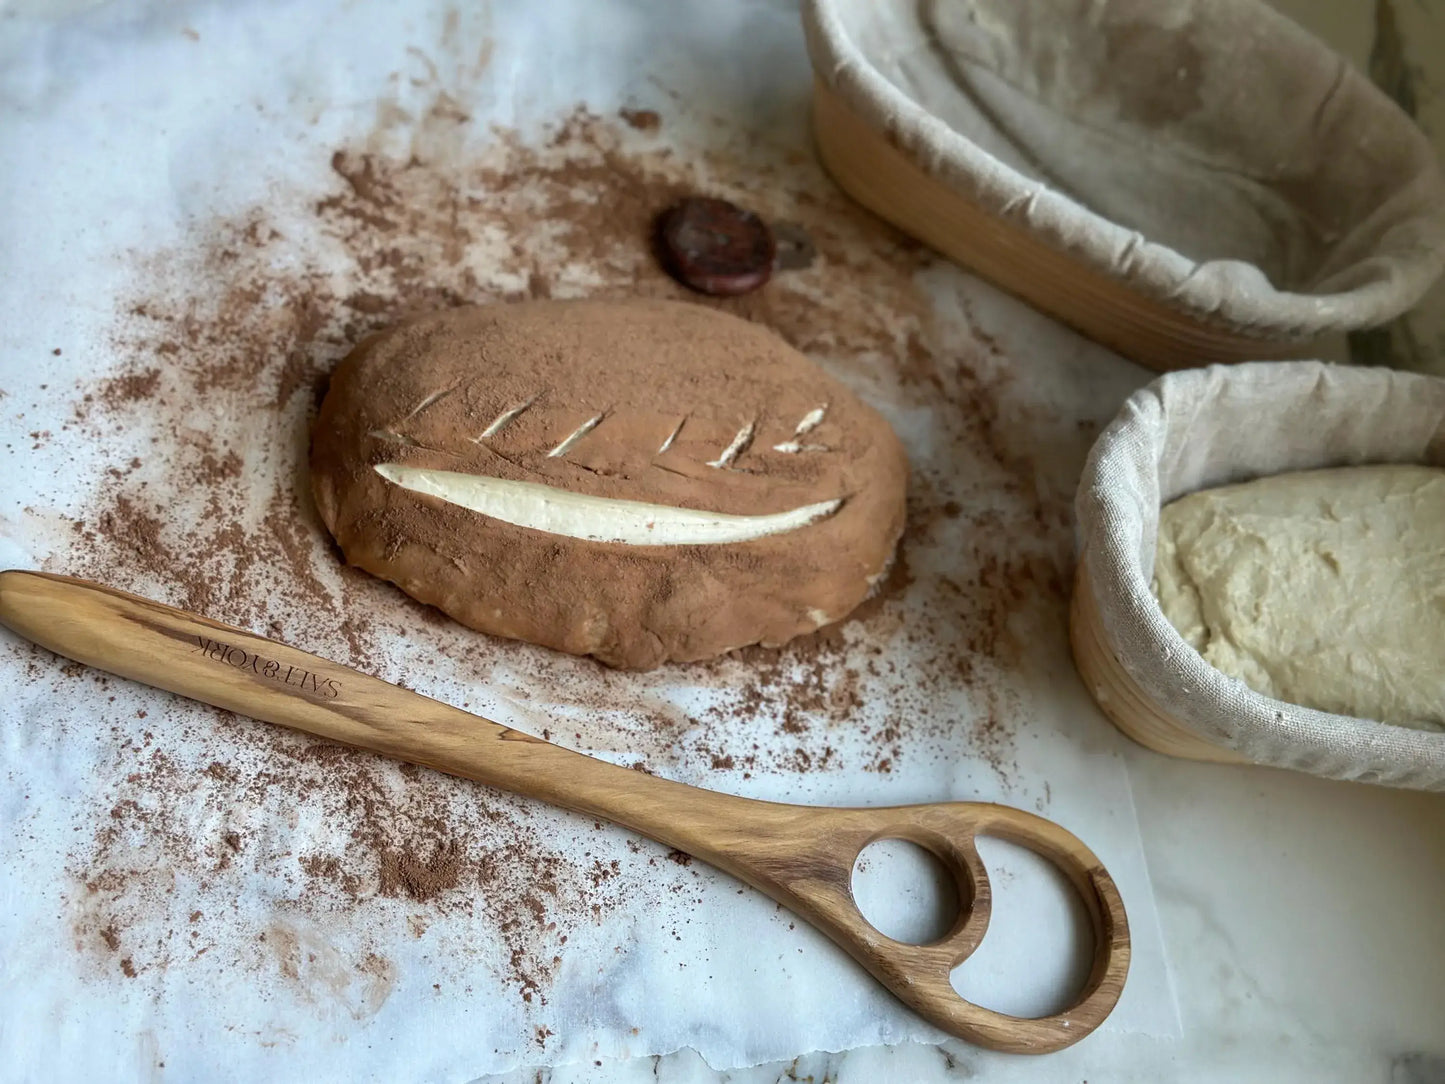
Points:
[(1302, 924), (1300, 918)]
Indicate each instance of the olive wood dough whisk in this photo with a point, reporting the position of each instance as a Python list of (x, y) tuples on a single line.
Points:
[(801, 856)]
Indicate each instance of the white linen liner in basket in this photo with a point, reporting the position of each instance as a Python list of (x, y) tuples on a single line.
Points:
[(1206, 427), (1279, 114)]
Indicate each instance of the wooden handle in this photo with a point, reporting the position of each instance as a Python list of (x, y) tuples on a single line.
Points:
[(801, 856)]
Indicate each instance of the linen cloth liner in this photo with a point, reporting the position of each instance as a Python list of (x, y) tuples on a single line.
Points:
[(1207, 427), (1211, 154)]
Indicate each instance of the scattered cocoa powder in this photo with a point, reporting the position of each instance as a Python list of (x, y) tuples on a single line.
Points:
[(644, 120), (127, 388), (224, 350), (422, 877)]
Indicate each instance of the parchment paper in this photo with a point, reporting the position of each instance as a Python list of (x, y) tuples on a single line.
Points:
[(203, 206)]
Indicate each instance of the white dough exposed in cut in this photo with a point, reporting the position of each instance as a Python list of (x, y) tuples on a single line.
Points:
[(597, 519), (505, 419), (666, 444), (582, 430), (811, 420), (733, 450)]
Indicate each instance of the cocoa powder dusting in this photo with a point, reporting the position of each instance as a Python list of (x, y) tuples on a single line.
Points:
[(226, 346), (420, 876), (644, 120), (650, 375)]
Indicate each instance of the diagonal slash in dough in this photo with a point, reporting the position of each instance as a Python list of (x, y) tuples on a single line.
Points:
[(597, 519)]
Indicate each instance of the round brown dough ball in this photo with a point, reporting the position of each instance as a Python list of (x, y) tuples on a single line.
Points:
[(638, 480)]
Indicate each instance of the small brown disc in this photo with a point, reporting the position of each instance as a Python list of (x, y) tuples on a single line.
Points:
[(716, 247)]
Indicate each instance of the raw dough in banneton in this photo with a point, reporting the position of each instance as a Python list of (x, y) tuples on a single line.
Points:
[(634, 480), (1322, 588)]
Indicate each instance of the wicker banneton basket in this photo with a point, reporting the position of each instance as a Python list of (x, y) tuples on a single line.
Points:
[(1207, 427), (1185, 182)]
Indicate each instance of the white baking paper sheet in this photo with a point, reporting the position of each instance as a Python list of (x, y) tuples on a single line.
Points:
[(194, 896)]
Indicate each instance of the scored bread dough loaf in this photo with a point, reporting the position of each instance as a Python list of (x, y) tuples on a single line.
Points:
[(634, 480), (1322, 588)]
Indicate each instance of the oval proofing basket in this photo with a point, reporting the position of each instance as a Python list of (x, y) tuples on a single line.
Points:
[(1208, 427), (1184, 181)]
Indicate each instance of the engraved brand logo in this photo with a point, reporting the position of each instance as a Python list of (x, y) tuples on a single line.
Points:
[(295, 676)]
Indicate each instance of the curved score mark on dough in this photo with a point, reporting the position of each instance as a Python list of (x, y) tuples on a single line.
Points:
[(597, 519), (433, 398), (504, 419), (736, 448), (666, 444), (580, 432), (811, 421), (391, 436)]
